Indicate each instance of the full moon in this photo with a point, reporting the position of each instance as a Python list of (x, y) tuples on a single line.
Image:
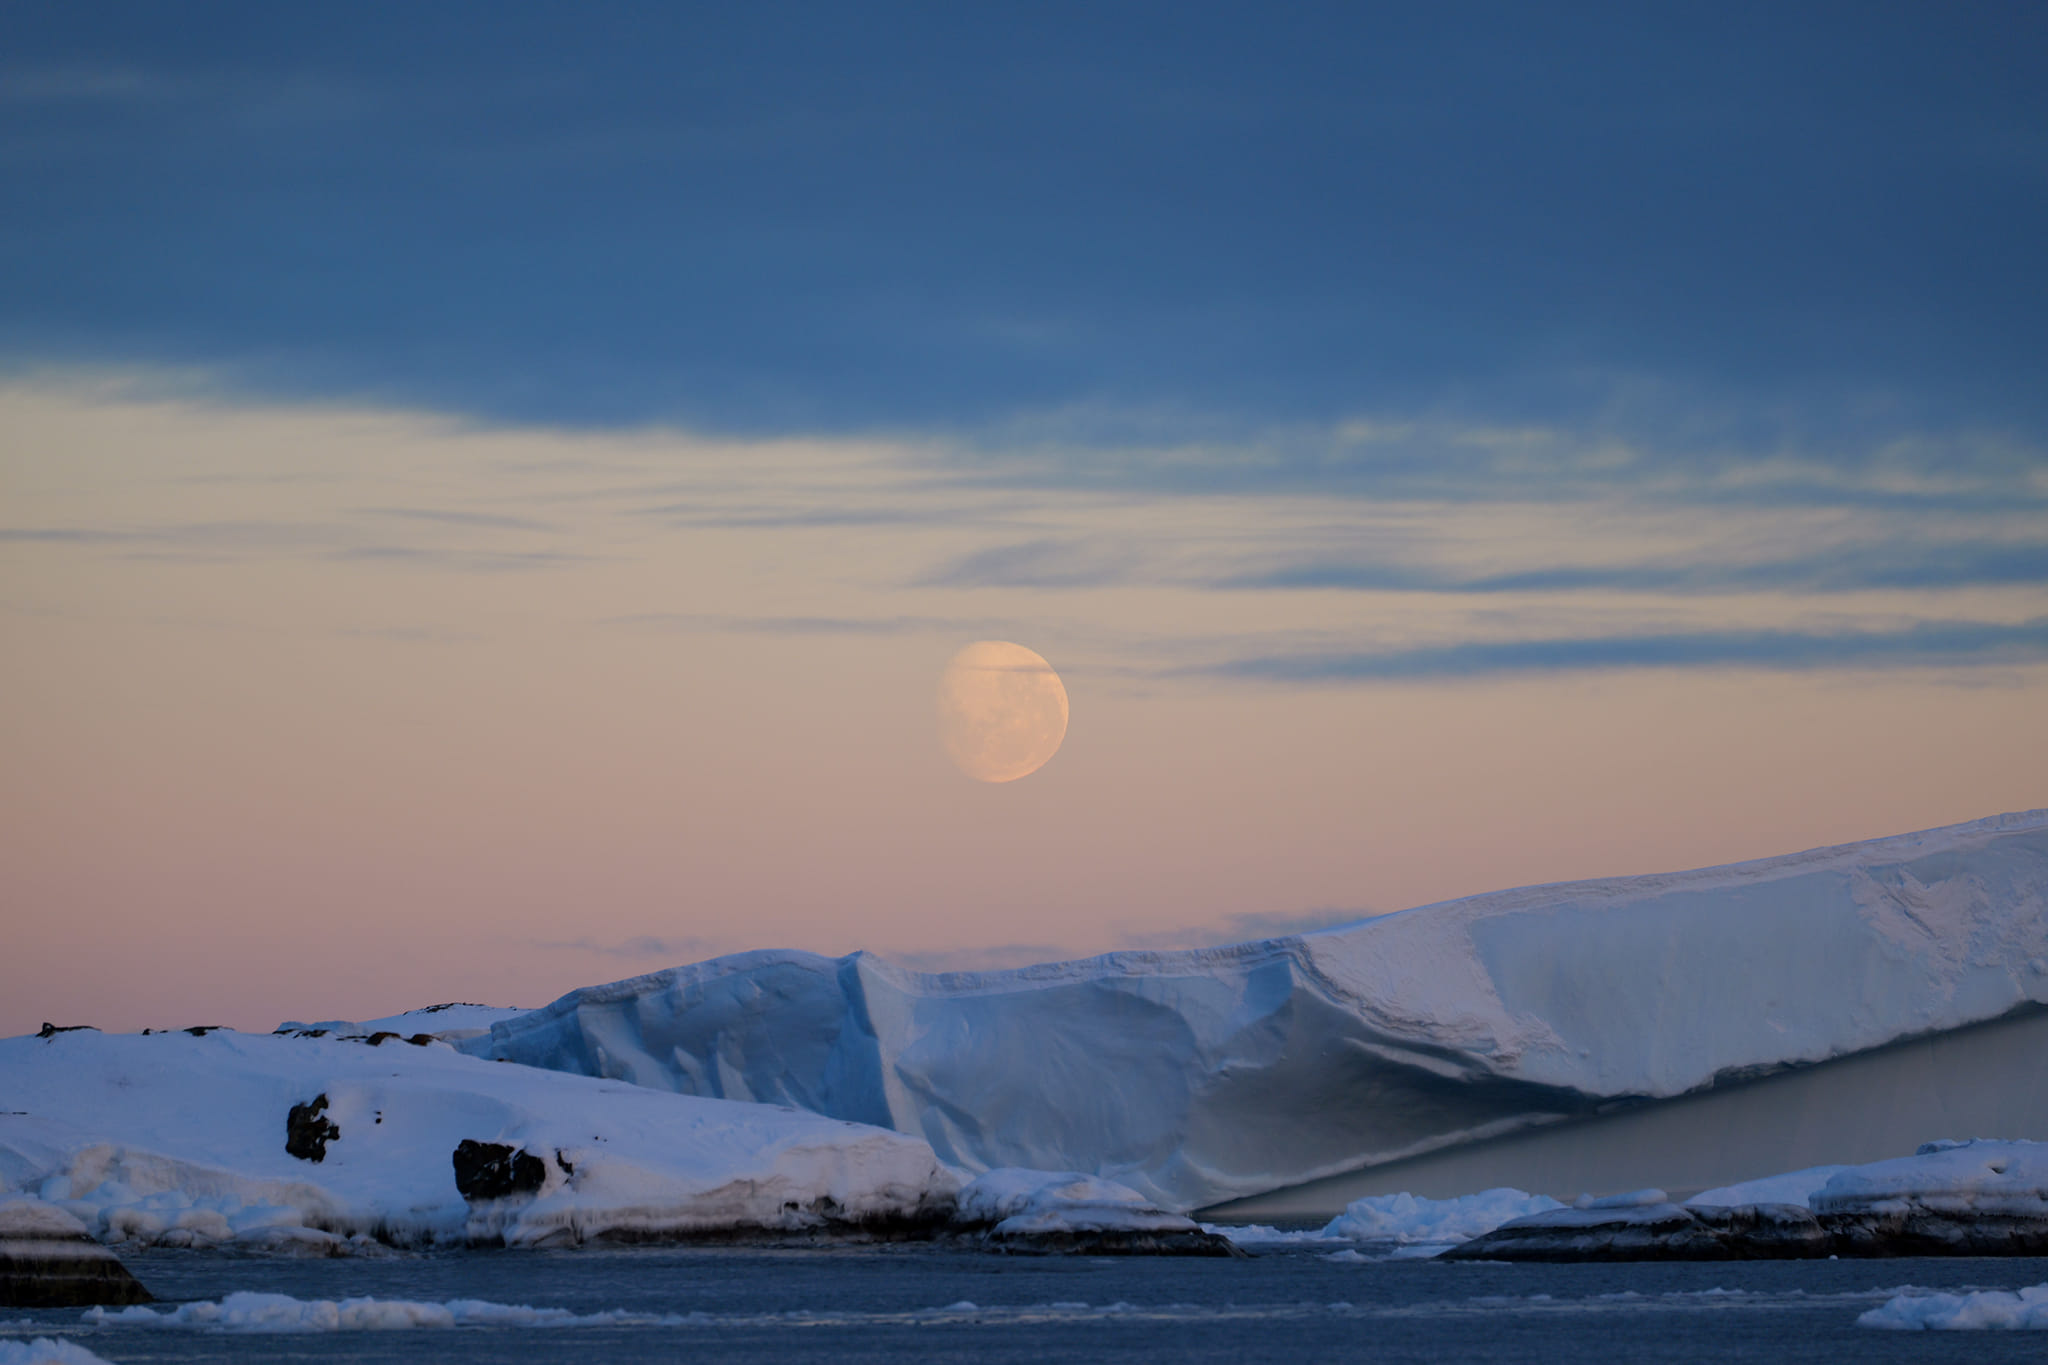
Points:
[(1002, 711)]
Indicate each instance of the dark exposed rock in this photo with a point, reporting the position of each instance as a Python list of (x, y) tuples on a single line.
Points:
[(50, 1030), (47, 1260), (1751, 1232), (307, 1132), (1924, 1232), (420, 1039), (201, 1030), (493, 1170), (377, 1039), (1114, 1242)]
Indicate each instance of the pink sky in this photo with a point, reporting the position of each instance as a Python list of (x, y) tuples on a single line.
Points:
[(322, 712)]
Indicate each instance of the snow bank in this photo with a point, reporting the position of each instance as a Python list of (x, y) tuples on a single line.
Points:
[(1977, 1177), (1962, 1312), (180, 1140), (1201, 1076), (45, 1351)]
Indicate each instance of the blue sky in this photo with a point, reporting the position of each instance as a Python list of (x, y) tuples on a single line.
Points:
[(1703, 227)]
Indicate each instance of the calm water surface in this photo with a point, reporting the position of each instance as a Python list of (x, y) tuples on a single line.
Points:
[(861, 1304)]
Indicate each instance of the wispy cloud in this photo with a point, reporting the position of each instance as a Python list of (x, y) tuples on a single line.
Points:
[(1850, 569), (796, 625), (1926, 644), (1047, 563), (447, 517)]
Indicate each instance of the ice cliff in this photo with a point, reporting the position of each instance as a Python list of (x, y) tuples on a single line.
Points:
[(1200, 1076)]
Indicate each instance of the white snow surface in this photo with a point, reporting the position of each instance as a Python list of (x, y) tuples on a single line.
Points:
[(450, 1022), (180, 1140), (1975, 1176), (1793, 1187), (1637, 1208), (47, 1351), (1035, 1202), (1992, 1308), (1204, 1075), (24, 1218)]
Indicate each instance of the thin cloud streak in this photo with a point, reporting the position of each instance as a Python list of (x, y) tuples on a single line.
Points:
[(1928, 644), (1856, 569), (796, 625)]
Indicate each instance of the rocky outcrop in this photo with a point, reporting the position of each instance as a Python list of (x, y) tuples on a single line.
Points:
[(493, 1170), (307, 1132), (48, 1260), (1647, 1227)]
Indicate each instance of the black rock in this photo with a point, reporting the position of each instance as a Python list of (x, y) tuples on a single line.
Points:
[(1753, 1232), (50, 1030), (307, 1132), (493, 1170), (1114, 1242), (48, 1261)]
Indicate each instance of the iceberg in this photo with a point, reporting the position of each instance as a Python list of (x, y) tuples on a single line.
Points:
[(1681, 1030), (1992, 1309)]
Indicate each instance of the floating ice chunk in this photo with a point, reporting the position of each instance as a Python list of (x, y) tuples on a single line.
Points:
[(1021, 1202), (265, 1313), (1405, 1218), (47, 1351), (1962, 1312), (1261, 1234)]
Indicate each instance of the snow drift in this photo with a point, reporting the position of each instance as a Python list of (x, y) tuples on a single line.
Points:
[(1200, 1076)]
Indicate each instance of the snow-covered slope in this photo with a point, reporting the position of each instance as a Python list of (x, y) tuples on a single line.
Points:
[(1205, 1075), (450, 1022), (183, 1139)]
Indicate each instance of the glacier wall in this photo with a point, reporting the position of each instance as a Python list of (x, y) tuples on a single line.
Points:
[(1208, 1075)]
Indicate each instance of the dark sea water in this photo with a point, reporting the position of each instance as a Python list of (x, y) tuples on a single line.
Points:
[(892, 1303)]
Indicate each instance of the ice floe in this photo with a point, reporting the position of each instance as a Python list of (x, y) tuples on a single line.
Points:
[(1990, 1308), (47, 1351), (1067, 1210), (266, 1313)]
